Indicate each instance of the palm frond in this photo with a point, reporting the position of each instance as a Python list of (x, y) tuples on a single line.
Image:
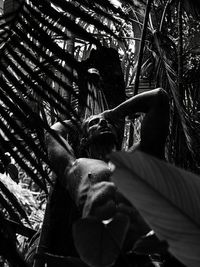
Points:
[(31, 57), (34, 65), (13, 200)]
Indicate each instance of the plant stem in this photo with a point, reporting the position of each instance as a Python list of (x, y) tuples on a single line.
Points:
[(142, 43), (180, 49)]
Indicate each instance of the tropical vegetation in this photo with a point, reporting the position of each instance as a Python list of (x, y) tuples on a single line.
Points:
[(46, 48)]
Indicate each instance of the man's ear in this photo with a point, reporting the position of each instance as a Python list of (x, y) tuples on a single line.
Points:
[(83, 142)]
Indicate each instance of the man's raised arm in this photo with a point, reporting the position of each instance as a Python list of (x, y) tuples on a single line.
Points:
[(155, 125), (60, 153)]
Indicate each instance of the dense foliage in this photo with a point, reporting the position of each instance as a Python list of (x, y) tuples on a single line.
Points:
[(45, 50)]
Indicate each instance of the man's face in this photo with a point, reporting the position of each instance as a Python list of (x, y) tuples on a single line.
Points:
[(96, 127)]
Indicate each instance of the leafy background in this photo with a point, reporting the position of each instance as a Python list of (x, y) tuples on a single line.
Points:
[(43, 49)]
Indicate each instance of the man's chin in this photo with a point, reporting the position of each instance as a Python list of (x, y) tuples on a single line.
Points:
[(104, 136)]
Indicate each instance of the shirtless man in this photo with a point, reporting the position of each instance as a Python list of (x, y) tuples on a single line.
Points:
[(88, 179)]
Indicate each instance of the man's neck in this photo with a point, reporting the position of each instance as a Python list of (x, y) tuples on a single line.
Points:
[(101, 151)]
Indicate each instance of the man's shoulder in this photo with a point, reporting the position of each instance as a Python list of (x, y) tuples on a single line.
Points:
[(83, 161)]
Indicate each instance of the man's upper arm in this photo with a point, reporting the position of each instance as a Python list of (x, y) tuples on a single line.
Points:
[(60, 152)]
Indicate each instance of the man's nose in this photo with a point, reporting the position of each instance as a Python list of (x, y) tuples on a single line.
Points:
[(103, 122)]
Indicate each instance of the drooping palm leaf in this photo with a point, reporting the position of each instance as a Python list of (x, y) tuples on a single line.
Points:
[(6, 206), (32, 64), (31, 56), (13, 200)]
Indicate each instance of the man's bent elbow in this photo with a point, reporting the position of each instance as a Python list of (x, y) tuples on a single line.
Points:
[(162, 98)]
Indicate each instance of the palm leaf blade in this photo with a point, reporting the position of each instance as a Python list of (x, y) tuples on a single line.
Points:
[(13, 200)]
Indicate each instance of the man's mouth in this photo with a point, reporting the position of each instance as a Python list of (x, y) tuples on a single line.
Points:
[(104, 129)]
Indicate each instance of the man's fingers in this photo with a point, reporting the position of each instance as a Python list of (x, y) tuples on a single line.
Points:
[(100, 200)]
